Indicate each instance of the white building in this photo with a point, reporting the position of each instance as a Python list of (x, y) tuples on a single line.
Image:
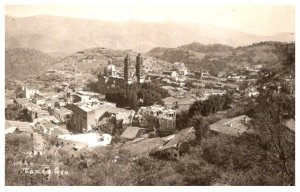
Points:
[(181, 68), (170, 73), (29, 91)]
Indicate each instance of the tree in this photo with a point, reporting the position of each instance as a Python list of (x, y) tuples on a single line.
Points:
[(13, 112), (213, 104), (17, 113), (270, 111), (130, 95), (57, 105), (139, 63), (133, 100), (183, 120), (92, 86), (243, 85), (27, 115), (246, 156), (201, 127), (196, 108), (270, 114)]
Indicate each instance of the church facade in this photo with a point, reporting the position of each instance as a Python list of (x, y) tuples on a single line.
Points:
[(131, 73)]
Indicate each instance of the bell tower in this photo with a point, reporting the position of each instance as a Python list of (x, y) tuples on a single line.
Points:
[(139, 64)]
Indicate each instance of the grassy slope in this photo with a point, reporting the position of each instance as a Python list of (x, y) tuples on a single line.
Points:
[(24, 62)]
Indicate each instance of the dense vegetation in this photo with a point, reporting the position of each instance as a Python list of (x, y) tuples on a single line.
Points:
[(16, 113), (267, 155), (204, 109), (213, 104), (135, 95), (218, 160)]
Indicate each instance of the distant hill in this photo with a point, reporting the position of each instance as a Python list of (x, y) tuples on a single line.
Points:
[(210, 48), (63, 36), (23, 62), (95, 59), (216, 58)]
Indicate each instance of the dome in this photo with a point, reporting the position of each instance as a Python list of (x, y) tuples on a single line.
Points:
[(111, 67)]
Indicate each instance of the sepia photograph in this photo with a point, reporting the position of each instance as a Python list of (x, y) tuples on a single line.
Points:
[(143, 93)]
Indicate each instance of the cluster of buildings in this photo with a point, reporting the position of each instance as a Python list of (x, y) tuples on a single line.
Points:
[(74, 120), (156, 117), (77, 119), (184, 87)]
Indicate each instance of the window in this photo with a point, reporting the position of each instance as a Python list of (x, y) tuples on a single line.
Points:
[(101, 139)]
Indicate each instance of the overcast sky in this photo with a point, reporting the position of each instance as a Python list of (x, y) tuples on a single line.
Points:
[(255, 19)]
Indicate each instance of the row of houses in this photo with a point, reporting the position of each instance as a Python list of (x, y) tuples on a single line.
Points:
[(137, 141)]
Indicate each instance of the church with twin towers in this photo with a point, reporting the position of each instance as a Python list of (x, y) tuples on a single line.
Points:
[(132, 72)]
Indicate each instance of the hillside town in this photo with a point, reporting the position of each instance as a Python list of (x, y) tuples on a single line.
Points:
[(64, 108), (184, 114), (63, 116)]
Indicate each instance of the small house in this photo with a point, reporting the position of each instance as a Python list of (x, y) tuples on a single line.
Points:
[(232, 126), (177, 144), (144, 147), (48, 127), (18, 127), (131, 133)]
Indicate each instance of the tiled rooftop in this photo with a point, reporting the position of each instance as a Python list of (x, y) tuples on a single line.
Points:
[(232, 126)]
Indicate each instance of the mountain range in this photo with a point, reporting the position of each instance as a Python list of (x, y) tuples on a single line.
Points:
[(223, 58), (61, 36)]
